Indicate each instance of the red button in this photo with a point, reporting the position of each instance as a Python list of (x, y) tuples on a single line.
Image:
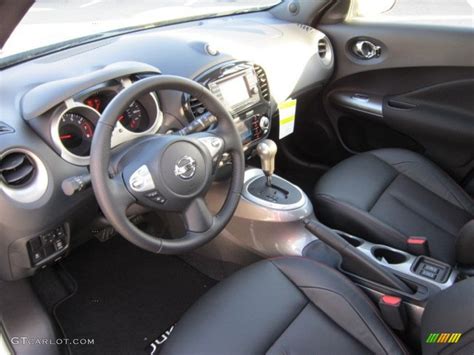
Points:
[(416, 240), (391, 300)]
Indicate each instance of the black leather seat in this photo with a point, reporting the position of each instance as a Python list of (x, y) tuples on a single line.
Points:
[(388, 195), (283, 306), (295, 306)]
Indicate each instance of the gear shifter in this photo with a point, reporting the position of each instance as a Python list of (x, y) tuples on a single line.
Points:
[(269, 188), (267, 150)]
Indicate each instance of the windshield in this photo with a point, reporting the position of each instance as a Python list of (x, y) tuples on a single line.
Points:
[(50, 22)]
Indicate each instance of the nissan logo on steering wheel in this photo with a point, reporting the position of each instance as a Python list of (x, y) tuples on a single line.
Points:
[(185, 168)]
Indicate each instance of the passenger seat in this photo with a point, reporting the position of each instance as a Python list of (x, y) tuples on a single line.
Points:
[(389, 195)]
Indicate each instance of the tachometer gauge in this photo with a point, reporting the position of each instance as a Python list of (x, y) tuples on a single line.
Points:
[(75, 133), (100, 100), (135, 118)]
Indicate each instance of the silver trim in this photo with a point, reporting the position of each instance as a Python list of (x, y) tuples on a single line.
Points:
[(327, 59), (4, 349), (63, 151), (253, 174), (366, 50), (141, 180), (36, 188), (369, 104), (120, 134), (404, 267), (185, 167)]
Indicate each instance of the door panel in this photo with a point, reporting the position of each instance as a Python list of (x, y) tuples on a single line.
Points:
[(441, 117), (401, 46), (418, 93)]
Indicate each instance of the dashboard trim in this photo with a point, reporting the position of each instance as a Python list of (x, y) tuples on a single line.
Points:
[(44, 97)]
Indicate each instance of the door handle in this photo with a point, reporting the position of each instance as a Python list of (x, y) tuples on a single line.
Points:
[(366, 50)]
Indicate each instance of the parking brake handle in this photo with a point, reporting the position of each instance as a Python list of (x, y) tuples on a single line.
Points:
[(354, 261)]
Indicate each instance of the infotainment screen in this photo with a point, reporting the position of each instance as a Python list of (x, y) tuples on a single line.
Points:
[(234, 91)]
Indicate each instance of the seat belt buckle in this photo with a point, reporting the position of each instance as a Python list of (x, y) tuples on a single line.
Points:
[(393, 311), (418, 246)]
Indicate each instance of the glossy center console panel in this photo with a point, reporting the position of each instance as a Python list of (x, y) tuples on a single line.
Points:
[(262, 227)]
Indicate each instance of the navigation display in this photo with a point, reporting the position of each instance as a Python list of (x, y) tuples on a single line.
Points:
[(234, 91)]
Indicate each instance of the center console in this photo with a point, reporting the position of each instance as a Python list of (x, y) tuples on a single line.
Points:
[(420, 269), (243, 89)]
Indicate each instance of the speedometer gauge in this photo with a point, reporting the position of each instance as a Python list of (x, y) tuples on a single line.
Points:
[(75, 133), (135, 118)]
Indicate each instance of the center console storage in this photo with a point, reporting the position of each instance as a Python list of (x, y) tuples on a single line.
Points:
[(367, 265), (420, 269)]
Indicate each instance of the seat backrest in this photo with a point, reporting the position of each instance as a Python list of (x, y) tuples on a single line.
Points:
[(447, 326), (465, 244)]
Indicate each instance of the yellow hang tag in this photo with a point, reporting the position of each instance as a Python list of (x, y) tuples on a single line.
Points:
[(287, 111)]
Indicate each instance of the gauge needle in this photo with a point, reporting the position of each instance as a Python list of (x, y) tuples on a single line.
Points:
[(65, 136)]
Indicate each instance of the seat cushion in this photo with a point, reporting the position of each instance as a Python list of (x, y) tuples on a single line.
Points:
[(388, 195), (283, 306)]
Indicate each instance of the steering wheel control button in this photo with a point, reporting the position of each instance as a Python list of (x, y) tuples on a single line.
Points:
[(213, 144), (155, 196), (141, 180), (185, 168)]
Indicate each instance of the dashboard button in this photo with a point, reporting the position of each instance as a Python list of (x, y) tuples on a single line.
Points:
[(428, 274), (37, 256), (431, 268)]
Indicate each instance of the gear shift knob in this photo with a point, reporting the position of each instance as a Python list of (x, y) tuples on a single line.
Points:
[(267, 150)]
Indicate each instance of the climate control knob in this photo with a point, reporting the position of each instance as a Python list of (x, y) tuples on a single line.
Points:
[(264, 124)]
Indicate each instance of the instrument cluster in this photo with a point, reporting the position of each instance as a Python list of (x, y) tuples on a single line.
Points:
[(74, 123)]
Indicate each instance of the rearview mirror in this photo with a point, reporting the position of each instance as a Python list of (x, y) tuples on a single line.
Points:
[(365, 8)]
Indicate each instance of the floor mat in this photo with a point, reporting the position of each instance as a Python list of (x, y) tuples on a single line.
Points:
[(125, 298)]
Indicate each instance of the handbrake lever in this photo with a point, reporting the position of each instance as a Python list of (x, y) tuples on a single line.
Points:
[(354, 261)]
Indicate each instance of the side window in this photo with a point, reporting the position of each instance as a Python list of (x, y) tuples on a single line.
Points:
[(459, 13)]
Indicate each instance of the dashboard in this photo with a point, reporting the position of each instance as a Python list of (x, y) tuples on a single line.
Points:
[(50, 106)]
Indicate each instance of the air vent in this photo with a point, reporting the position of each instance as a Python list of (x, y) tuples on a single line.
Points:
[(305, 27), (4, 128), (16, 169), (263, 82), (196, 106), (322, 48)]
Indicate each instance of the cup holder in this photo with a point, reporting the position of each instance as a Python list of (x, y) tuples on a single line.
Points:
[(354, 241), (388, 255)]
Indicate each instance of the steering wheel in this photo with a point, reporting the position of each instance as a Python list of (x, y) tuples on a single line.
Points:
[(168, 173)]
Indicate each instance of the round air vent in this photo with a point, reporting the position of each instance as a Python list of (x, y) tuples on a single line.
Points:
[(17, 169), (322, 48), (325, 51)]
